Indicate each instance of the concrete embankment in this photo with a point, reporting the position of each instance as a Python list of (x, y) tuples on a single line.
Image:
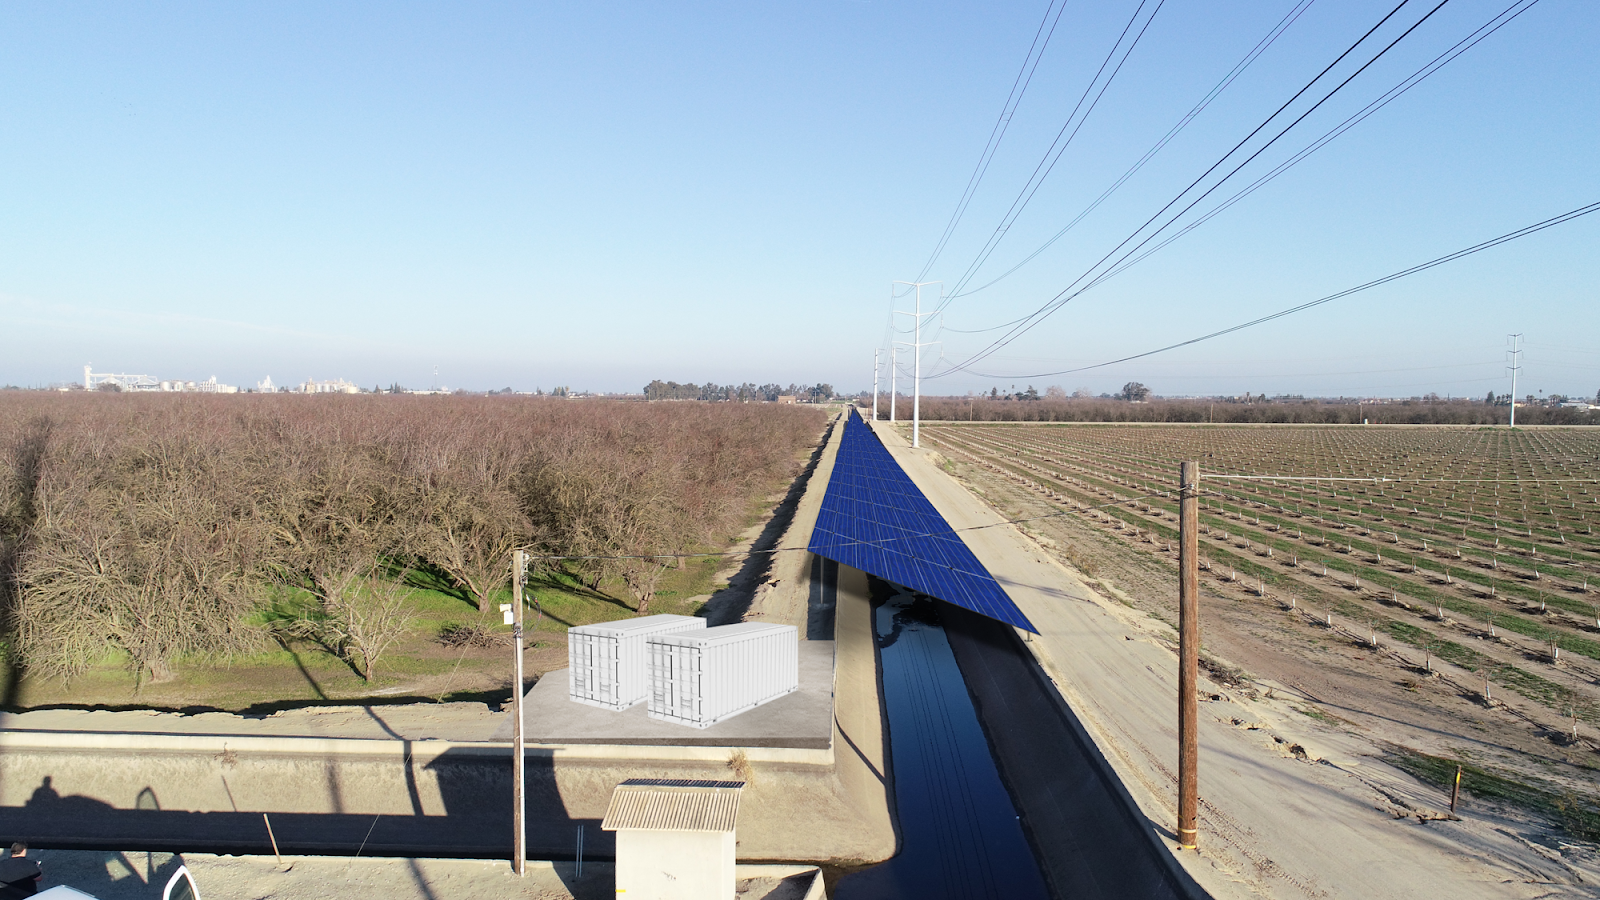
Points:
[(1087, 834)]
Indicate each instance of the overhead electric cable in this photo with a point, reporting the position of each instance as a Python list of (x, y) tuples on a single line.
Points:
[(1536, 227), (1484, 31), (1067, 294), (1019, 86), (1205, 101), (1052, 154), (1416, 78)]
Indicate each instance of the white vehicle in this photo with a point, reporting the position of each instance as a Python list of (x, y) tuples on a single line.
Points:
[(179, 887)]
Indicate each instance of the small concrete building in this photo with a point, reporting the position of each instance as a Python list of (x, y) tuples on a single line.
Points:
[(675, 838)]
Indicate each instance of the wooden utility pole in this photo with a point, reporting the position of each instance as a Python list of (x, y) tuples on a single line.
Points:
[(1188, 654), (519, 862)]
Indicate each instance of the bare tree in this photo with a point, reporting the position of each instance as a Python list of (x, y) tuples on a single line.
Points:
[(143, 558), (466, 521), (367, 622), (150, 527)]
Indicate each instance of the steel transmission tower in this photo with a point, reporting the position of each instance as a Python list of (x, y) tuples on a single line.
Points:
[(875, 366), (1516, 366)]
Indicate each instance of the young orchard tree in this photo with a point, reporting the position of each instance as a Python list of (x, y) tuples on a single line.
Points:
[(367, 622)]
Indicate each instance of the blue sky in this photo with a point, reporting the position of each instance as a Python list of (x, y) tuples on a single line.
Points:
[(597, 195)]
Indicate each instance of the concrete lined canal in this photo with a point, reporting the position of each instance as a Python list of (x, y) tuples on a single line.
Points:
[(961, 837)]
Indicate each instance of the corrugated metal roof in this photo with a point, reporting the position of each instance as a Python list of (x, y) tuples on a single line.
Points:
[(680, 782), (673, 805)]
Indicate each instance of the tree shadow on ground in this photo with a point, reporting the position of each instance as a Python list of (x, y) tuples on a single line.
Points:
[(429, 578), (732, 602)]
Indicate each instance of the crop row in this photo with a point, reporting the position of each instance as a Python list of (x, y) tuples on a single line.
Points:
[(1380, 550)]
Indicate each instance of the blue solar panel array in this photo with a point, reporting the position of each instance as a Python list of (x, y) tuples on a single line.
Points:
[(875, 519)]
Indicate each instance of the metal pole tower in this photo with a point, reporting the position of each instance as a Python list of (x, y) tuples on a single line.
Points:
[(916, 346), (1516, 366), (875, 366), (894, 373)]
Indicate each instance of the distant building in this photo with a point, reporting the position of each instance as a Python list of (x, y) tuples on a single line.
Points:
[(209, 386), (787, 398), (265, 386), (93, 381), (336, 386)]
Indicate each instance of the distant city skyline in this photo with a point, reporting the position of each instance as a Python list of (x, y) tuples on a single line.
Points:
[(600, 196)]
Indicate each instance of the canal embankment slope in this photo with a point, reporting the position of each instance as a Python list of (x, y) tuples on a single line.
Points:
[(1288, 808)]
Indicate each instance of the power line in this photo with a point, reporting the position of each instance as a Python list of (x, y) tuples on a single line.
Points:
[(1205, 101), (1047, 163), (1381, 479), (1536, 227), (1443, 59), (998, 133), (1066, 295), (1472, 365)]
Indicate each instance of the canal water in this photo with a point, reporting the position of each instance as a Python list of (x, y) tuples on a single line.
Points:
[(961, 837)]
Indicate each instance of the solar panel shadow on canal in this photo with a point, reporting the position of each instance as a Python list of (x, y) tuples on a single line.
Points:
[(961, 837)]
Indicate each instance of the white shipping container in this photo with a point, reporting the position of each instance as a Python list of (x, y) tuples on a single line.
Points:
[(705, 677), (606, 660)]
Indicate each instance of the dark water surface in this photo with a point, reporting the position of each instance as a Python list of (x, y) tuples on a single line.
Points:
[(960, 835)]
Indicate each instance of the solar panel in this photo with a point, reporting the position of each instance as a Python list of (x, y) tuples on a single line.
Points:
[(874, 518)]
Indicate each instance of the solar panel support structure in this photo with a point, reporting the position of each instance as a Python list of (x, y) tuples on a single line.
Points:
[(916, 346), (1188, 655)]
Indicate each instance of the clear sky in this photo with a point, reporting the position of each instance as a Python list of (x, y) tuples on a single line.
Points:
[(596, 195)]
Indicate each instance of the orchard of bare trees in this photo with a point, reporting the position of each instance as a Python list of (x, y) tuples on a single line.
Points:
[(161, 528)]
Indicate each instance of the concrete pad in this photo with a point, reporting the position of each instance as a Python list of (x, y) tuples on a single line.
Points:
[(803, 719)]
